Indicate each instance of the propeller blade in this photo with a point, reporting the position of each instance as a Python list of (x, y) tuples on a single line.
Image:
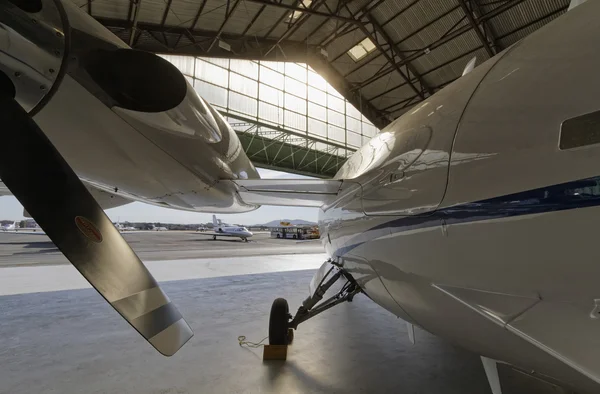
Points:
[(59, 202)]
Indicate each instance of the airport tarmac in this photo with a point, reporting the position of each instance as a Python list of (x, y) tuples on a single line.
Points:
[(35, 249), (57, 335)]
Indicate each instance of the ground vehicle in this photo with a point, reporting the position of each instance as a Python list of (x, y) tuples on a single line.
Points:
[(293, 232)]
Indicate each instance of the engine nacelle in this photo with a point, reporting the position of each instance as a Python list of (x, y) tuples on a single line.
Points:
[(32, 49)]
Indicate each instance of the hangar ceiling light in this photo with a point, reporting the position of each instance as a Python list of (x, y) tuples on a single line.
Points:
[(361, 49)]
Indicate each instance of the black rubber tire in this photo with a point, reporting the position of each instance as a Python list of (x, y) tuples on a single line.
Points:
[(278, 322), (294, 237), (278, 236)]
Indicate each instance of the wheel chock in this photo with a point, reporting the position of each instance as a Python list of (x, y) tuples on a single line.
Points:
[(275, 352)]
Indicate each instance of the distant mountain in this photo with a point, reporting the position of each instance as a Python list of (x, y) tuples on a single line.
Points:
[(297, 222)]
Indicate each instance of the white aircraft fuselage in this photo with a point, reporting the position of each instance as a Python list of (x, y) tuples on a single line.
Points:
[(483, 231), (464, 216)]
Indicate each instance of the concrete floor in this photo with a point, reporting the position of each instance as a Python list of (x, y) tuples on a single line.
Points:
[(71, 341)]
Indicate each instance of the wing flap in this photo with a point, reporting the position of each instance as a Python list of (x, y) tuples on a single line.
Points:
[(289, 192)]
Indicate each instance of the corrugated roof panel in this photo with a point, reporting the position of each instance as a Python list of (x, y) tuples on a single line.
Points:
[(114, 9), (393, 97), (375, 56), (212, 16), (413, 18), (265, 21), (378, 59), (450, 71), (279, 30), (523, 13), (344, 64), (308, 27), (151, 11), (241, 17), (447, 52), (382, 84), (368, 70), (394, 103), (354, 6), (182, 13), (436, 31), (325, 31), (510, 39), (344, 43)]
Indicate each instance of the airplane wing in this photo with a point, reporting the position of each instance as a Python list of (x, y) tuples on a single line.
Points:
[(289, 192), (104, 199)]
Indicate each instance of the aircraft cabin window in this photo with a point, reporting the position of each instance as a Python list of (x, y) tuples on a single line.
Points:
[(580, 131)]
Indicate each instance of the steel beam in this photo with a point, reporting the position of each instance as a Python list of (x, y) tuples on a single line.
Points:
[(138, 4), (228, 14), (373, 38), (242, 47), (476, 26), (254, 18), (428, 72), (283, 16), (296, 24), (198, 14), (533, 22), (316, 29), (495, 12), (310, 11), (405, 38), (488, 29), (345, 29), (397, 52), (400, 12), (166, 13)]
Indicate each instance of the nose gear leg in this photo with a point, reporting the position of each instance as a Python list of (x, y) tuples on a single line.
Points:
[(311, 306)]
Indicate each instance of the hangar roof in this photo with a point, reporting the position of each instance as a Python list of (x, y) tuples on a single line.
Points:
[(384, 56)]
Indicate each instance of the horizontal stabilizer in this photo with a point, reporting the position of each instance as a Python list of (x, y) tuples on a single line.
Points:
[(289, 192)]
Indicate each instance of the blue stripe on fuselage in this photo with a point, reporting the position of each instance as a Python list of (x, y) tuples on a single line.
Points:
[(582, 193)]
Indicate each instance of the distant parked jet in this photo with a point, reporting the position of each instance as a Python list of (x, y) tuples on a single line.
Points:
[(226, 230)]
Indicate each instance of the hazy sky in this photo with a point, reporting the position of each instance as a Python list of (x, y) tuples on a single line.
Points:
[(11, 209)]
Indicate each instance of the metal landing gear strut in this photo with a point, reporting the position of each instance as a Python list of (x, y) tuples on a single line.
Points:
[(282, 323)]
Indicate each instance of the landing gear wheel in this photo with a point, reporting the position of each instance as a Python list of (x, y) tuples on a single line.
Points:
[(278, 322)]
